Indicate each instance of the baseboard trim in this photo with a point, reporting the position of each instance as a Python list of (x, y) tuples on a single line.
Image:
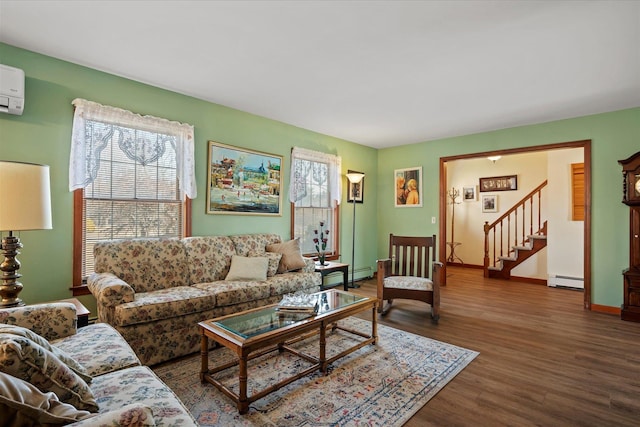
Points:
[(459, 264), (530, 280), (605, 309)]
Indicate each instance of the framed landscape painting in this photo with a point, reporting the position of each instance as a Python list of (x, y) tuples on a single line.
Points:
[(243, 182), (408, 184)]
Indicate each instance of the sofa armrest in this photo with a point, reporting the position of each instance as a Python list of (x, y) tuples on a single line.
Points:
[(49, 320), (309, 265), (109, 290), (134, 414)]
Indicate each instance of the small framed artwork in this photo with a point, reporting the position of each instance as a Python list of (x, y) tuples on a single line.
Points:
[(499, 183), (490, 203), (469, 194), (356, 190), (243, 182), (408, 184)]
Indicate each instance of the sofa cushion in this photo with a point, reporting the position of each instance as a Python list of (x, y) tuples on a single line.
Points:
[(60, 354), (99, 348), (248, 268), (163, 304), (132, 415), (292, 282), (274, 261), (230, 293), (255, 243), (209, 257), (145, 264), (140, 385), (22, 404), (24, 359), (291, 256)]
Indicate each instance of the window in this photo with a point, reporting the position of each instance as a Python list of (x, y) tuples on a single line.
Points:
[(577, 191), (131, 176), (315, 194)]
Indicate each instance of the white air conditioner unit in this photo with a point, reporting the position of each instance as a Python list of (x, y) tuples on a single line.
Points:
[(11, 90)]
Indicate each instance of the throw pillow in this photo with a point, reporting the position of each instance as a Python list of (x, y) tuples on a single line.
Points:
[(291, 256), (248, 268), (23, 404), (274, 261), (24, 359), (60, 354)]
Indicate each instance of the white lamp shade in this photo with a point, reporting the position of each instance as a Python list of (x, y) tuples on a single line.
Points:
[(355, 177), (25, 196)]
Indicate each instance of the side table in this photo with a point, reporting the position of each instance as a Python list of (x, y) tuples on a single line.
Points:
[(334, 267)]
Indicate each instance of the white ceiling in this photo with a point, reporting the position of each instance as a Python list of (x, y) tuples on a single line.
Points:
[(379, 73)]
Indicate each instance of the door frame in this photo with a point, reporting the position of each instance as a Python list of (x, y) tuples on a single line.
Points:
[(584, 144)]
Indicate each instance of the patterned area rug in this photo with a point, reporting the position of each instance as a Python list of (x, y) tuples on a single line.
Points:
[(381, 385)]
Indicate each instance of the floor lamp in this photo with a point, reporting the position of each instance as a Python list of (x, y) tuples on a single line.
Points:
[(26, 205), (354, 178)]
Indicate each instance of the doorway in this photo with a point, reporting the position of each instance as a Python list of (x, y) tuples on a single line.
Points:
[(586, 147)]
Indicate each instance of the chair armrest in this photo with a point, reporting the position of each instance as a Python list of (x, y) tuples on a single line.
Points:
[(309, 265), (436, 277), (384, 267), (109, 290), (49, 320)]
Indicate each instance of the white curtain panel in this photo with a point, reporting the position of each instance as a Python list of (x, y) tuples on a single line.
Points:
[(299, 174)]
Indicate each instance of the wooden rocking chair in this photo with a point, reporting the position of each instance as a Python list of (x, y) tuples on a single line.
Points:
[(410, 272)]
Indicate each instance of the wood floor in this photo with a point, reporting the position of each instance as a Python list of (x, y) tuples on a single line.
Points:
[(543, 359)]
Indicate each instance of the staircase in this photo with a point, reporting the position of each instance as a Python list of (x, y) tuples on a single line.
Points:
[(516, 236)]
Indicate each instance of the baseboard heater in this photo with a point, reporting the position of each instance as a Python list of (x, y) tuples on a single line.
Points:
[(558, 281)]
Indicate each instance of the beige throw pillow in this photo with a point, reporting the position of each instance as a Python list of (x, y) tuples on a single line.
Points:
[(248, 269), (291, 255)]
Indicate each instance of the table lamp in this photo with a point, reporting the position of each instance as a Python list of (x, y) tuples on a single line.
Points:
[(25, 205)]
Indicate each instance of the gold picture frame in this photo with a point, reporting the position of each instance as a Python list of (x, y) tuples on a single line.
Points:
[(243, 182)]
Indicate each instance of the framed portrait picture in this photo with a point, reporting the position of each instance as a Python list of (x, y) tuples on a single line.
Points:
[(355, 191), (469, 194), (499, 183), (243, 182), (408, 185), (490, 203)]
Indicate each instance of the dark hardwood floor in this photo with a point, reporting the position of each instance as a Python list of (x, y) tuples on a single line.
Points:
[(544, 360)]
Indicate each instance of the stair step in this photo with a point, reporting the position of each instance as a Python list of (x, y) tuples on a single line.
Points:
[(538, 236), (508, 258)]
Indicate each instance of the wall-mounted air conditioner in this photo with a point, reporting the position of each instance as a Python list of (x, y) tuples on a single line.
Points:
[(11, 90)]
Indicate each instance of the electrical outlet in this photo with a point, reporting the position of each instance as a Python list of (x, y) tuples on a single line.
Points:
[(433, 220)]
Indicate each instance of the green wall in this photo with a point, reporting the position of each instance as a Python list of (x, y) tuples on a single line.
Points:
[(43, 134), (614, 136)]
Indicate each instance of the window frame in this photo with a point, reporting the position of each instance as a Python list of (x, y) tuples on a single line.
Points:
[(335, 231)]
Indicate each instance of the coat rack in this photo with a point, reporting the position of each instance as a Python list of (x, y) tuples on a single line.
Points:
[(453, 195)]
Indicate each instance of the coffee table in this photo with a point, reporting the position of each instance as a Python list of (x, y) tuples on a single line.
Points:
[(256, 332)]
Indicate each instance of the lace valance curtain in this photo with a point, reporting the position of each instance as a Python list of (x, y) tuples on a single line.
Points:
[(302, 168), (85, 157)]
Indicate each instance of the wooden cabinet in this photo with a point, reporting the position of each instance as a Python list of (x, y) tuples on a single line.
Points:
[(631, 197)]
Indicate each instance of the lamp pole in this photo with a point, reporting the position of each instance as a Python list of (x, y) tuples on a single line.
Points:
[(354, 178)]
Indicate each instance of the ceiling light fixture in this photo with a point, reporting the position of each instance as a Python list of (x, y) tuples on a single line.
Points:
[(494, 158)]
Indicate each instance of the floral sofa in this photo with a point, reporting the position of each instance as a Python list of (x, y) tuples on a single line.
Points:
[(154, 292), (52, 374)]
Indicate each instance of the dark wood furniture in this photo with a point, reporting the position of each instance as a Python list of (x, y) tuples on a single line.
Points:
[(256, 332), (410, 272), (334, 267), (631, 197)]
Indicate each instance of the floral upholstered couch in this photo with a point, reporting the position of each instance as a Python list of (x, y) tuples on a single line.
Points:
[(154, 292), (54, 374)]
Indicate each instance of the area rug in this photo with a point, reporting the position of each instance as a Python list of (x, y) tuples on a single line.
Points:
[(377, 385)]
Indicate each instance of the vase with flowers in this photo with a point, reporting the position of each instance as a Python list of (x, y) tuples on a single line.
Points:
[(320, 241)]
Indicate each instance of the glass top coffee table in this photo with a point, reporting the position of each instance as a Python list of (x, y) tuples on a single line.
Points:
[(256, 332)]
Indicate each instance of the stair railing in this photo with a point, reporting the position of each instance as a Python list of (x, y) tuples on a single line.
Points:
[(497, 243)]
